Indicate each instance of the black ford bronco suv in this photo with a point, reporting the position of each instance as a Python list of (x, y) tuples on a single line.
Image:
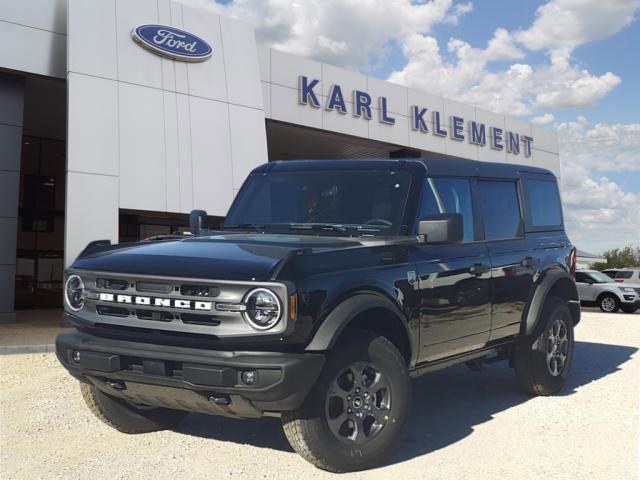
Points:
[(329, 285)]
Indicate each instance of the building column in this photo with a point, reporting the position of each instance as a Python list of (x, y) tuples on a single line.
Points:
[(11, 108)]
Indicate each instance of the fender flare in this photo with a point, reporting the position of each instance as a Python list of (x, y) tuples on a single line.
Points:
[(338, 319), (536, 305)]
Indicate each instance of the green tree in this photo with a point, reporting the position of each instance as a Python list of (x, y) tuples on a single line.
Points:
[(620, 258)]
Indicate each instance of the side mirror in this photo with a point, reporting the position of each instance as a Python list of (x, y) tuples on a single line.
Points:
[(441, 228), (198, 221)]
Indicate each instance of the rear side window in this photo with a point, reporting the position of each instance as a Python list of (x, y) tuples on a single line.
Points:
[(500, 209), (449, 195), (624, 274), (543, 203)]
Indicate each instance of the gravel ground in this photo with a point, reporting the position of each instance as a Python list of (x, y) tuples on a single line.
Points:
[(465, 425)]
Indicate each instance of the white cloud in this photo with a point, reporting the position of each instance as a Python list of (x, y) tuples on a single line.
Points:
[(562, 24), (459, 10), (360, 34), (467, 78), (545, 119), (566, 86), (519, 89), (346, 33), (603, 147), (599, 213)]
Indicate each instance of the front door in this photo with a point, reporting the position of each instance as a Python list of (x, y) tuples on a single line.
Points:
[(453, 280), (586, 291)]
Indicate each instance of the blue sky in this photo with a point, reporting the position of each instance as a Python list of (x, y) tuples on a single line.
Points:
[(569, 65)]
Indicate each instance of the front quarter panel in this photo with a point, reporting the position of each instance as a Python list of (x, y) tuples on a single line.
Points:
[(326, 280)]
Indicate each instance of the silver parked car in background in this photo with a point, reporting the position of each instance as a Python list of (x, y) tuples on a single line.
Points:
[(628, 275), (596, 288)]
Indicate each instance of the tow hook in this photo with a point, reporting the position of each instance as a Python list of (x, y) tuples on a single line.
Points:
[(219, 399), (116, 385)]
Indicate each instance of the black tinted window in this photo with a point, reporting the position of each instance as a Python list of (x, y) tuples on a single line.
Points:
[(543, 202), (372, 201), (449, 195), (581, 277), (500, 209)]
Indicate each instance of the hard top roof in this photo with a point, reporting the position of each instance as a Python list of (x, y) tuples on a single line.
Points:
[(434, 166)]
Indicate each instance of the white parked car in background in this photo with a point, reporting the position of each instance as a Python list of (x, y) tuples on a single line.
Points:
[(628, 275), (596, 288)]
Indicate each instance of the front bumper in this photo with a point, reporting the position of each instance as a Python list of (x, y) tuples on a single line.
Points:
[(191, 379), (631, 301)]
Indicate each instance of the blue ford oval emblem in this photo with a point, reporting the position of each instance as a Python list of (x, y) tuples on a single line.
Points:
[(172, 42)]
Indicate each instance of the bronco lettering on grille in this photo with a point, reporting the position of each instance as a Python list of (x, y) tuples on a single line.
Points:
[(156, 302)]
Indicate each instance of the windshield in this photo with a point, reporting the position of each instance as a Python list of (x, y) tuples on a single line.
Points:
[(600, 277), (334, 202)]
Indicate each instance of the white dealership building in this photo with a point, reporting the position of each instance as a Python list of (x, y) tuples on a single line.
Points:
[(117, 117)]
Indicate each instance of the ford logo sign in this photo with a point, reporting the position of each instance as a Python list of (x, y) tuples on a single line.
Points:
[(172, 43)]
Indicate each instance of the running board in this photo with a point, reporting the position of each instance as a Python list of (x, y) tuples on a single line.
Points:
[(420, 370)]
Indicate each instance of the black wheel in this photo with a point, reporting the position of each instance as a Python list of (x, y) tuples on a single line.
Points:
[(631, 309), (126, 418), (543, 363), (354, 416), (608, 303)]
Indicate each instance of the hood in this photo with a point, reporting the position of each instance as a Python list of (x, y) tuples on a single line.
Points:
[(229, 257)]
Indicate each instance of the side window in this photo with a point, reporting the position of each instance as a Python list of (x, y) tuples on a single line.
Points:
[(543, 202), (500, 209), (449, 195), (624, 275)]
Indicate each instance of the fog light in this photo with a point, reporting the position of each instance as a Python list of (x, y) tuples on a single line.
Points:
[(75, 356), (249, 377)]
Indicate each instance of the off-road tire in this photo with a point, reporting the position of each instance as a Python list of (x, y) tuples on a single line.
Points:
[(633, 309), (126, 418), (530, 356), (611, 297), (307, 428)]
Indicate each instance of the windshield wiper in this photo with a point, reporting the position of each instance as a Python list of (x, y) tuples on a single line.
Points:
[(245, 226), (319, 227)]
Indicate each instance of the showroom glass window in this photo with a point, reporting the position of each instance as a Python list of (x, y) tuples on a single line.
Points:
[(449, 195), (500, 209)]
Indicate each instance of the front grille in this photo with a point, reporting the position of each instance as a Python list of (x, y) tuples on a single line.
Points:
[(154, 287), (199, 291), (173, 305)]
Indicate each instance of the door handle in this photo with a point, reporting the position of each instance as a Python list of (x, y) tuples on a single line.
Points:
[(528, 262), (478, 269)]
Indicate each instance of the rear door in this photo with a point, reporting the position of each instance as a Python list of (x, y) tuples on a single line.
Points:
[(513, 260), (453, 280)]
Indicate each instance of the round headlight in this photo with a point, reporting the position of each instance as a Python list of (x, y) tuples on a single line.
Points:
[(74, 293), (263, 308)]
